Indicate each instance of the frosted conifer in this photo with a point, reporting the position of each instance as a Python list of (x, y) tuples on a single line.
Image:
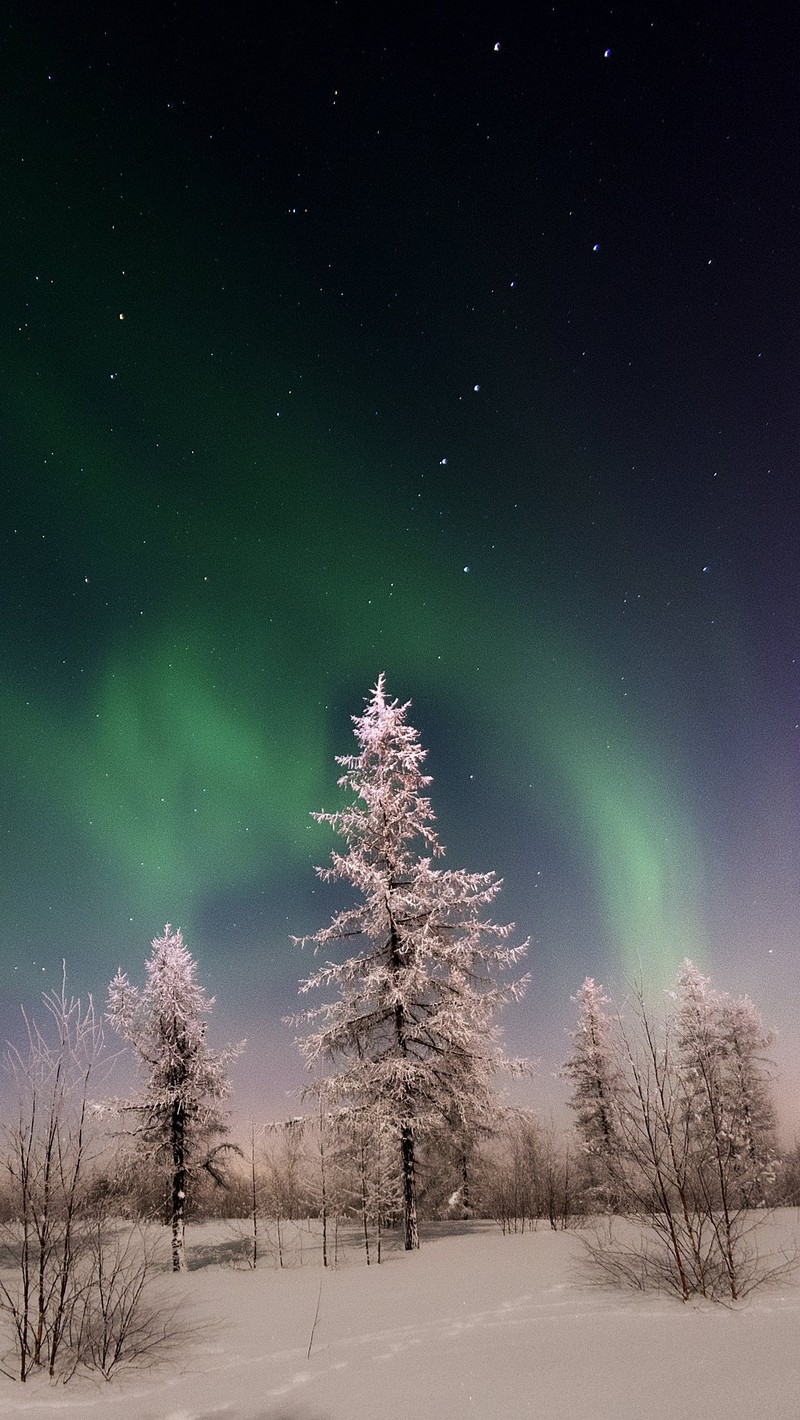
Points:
[(727, 1081), (184, 1080), (411, 1029), (597, 1081)]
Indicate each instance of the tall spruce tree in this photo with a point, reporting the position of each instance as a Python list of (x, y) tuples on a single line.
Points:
[(411, 1028), (178, 1118)]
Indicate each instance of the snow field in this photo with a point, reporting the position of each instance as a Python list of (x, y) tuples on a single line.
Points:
[(473, 1325)]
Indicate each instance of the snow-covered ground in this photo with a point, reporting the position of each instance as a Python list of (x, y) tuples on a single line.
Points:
[(473, 1325)]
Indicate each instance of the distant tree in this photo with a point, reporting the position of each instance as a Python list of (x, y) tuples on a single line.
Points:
[(787, 1183), (688, 1139), (750, 1073), (597, 1080), (287, 1167), (179, 1121), (720, 1045), (411, 1031)]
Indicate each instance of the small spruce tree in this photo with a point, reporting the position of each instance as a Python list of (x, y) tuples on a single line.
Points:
[(179, 1121), (727, 1081), (597, 1081)]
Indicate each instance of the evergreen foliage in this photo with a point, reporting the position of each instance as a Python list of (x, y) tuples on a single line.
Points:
[(410, 1030), (720, 1043), (179, 1120), (678, 1127), (596, 1081)]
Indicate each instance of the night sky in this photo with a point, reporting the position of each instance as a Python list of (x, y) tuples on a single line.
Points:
[(458, 342)]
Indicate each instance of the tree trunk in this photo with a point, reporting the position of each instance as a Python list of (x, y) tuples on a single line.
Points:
[(178, 1204), (464, 1180), (253, 1196), (406, 1130), (324, 1203), (364, 1193), (409, 1187)]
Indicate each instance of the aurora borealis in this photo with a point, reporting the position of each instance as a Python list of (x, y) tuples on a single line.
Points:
[(458, 346)]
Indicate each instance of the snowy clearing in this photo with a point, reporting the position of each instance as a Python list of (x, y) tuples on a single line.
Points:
[(475, 1324)]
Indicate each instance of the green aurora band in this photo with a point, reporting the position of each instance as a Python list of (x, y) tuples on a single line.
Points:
[(188, 762), (239, 584)]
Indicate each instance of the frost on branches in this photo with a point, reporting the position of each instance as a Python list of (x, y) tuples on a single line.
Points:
[(727, 1080), (596, 1083), (678, 1126), (410, 1031), (179, 1122)]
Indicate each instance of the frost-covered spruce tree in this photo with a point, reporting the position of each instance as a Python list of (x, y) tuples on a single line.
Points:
[(750, 1073), (179, 1122), (727, 1081), (597, 1082), (410, 1031)]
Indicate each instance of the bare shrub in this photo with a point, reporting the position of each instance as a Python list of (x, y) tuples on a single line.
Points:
[(47, 1150), (677, 1124), (72, 1285), (638, 1253), (114, 1323)]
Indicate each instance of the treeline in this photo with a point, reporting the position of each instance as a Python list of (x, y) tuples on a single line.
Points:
[(676, 1130), (671, 1167)]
